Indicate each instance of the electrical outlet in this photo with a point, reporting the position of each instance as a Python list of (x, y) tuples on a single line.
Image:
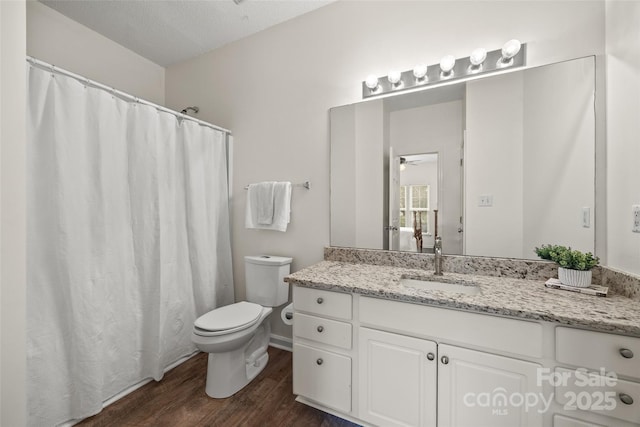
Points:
[(485, 200), (636, 218), (586, 217)]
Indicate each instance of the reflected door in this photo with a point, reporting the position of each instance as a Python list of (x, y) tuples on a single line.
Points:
[(394, 201)]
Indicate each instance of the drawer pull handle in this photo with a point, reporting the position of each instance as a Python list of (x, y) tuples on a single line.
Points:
[(320, 300), (320, 329), (319, 361), (430, 356), (626, 353), (444, 360), (625, 398)]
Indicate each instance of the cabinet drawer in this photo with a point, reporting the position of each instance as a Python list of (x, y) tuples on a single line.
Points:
[(491, 332), (322, 376), (589, 392), (324, 303), (322, 330), (562, 421), (595, 350)]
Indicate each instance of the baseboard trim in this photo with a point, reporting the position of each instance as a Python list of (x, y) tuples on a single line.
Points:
[(283, 343)]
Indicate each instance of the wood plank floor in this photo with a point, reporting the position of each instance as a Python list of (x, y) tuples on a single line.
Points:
[(179, 400)]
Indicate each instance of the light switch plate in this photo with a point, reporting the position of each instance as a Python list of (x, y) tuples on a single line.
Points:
[(636, 218), (586, 217), (485, 200)]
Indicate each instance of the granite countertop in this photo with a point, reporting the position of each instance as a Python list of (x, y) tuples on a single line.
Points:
[(504, 296)]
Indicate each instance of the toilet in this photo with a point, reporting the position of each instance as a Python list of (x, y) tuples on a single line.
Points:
[(236, 336)]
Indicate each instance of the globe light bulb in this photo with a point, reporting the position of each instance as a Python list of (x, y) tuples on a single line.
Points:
[(394, 77), (371, 82), (447, 63), (510, 49), (478, 56), (420, 71)]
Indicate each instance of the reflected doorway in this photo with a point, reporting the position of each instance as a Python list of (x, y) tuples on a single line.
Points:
[(416, 183)]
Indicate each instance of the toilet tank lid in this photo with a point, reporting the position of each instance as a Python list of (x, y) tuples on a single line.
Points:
[(268, 260)]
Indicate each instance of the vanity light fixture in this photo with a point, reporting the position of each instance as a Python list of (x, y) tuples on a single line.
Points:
[(446, 65), (512, 55)]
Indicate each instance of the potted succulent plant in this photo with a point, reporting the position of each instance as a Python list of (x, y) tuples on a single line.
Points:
[(574, 266)]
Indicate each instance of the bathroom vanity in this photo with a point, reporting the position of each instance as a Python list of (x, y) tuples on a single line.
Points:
[(381, 351)]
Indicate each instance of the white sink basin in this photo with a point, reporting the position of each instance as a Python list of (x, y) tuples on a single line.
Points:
[(435, 285)]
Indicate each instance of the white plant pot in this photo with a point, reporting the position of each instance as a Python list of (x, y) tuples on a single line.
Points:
[(577, 278)]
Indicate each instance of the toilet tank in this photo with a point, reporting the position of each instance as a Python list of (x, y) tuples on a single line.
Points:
[(264, 279)]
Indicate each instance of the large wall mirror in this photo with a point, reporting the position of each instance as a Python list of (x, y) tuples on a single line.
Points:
[(507, 161)]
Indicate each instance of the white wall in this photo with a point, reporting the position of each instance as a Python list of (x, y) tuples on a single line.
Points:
[(493, 157), (438, 129), (274, 89), (58, 40), (12, 214), (623, 130)]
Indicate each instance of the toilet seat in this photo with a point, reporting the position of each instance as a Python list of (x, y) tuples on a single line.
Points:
[(228, 319)]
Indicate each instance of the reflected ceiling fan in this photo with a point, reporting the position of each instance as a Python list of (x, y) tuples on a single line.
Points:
[(404, 162)]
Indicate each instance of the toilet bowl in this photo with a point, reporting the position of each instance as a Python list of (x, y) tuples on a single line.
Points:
[(236, 336), (237, 354)]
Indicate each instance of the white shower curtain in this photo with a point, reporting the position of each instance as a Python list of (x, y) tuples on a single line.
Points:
[(128, 242)]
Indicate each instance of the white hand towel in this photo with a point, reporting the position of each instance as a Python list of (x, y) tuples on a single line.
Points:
[(281, 209), (262, 198), (281, 206)]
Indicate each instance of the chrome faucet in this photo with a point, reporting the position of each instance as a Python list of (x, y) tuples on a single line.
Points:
[(437, 249)]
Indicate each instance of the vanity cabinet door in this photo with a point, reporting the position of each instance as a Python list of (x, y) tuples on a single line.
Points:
[(397, 379), (477, 388)]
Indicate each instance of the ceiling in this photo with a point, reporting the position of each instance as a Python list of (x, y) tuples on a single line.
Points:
[(171, 31)]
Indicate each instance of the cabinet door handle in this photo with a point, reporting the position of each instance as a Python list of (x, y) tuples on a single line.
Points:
[(319, 361), (625, 398), (431, 356), (320, 328), (626, 353), (444, 360), (320, 300)]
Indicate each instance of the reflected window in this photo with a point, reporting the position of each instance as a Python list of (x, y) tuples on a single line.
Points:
[(414, 198)]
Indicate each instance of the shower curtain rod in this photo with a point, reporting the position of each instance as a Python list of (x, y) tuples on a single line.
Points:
[(124, 95)]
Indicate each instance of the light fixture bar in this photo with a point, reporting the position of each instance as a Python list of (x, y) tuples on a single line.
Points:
[(462, 68)]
